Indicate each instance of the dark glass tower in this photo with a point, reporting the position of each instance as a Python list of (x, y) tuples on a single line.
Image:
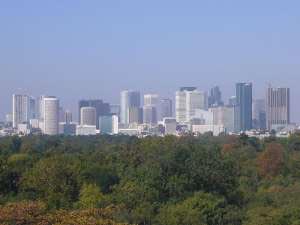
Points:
[(102, 108), (243, 108), (215, 97)]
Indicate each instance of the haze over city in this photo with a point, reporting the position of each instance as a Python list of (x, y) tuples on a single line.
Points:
[(78, 50)]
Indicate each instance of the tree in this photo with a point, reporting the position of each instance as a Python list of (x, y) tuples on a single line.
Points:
[(200, 209), (90, 196), (271, 161), (54, 180)]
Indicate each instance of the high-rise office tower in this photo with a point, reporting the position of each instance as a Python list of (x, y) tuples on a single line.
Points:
[(109, 124), (115, 109), (135, 115), (166, 109), (150, 109), (33, 108), (21, 109), (215, 97), (278, 108), (149, 114), (259, 114), (68, 117), (195, 100), (151, 99), (88, 116), (243, 108), (40, 108), (51, 115), (102, 108), (181, 103), (129, 99)]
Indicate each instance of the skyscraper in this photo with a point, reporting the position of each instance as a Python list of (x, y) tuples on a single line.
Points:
[(151, 99), (188, 99), (165, 108), (88, 116), (243, 108), (278, 108), (68, 117), (21, 109), (150, 109), (51, 115), (102, 108), (195, 100), (129, 99), (115, 109), (180, 104), (149, 114), (259, 114), (135, 115), (109, 124), (215, 97)]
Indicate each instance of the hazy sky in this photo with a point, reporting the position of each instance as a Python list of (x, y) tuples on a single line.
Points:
[(95, 48)]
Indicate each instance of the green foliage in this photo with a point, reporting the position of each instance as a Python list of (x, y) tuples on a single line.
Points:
[(152, 181), (200, 209), (90, 197)]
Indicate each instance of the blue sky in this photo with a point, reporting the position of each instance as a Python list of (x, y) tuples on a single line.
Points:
[(81, 49)]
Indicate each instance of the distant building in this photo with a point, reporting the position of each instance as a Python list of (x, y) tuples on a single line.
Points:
[(202, 129), (243, 107), (149, 114), (151, 99), (51, 115), (129, 99), (278, 108), (86, 130), (109, 124), (195, 100), (115, 109), (68, 129), (102, 108), (170, 126), (215, 97), (135, 115), (188, 99), (166, 108), (68, 117), (259, 114), (21, 109), (150, 109), (88, 116), (223, 116), (202, 117)]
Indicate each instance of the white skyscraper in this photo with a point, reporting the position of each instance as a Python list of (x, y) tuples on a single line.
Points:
[(129, 99), (51, 115), (21, 109), (150, 109), (188, 99), (88, 116), (278, 108), (195, 100), (151, 99)]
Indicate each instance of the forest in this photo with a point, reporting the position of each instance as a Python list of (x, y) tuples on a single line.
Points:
[(111, 180)]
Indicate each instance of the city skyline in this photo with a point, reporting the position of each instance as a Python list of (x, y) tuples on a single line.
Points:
[(82, 51), (73, 106)]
